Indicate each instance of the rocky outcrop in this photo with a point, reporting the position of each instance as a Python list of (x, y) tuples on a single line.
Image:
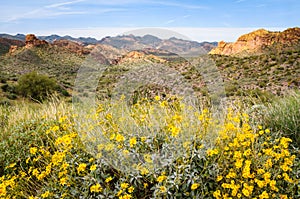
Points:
[(110, 53), (257, 42), (32, 41), (13, 49)]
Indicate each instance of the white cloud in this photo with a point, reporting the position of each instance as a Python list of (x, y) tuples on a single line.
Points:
[(56, 5), (239, 1), (47, 11), (185, 5), (170, 21), (186, 16), (146, 2)]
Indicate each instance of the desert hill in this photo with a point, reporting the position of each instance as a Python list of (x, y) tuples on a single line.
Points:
[(259, 42)]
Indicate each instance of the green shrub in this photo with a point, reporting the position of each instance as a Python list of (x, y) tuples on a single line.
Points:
[(36, 86)]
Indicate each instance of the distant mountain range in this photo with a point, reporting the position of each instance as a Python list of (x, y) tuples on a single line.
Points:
[(174, 45), (254, 43), (52, 38)]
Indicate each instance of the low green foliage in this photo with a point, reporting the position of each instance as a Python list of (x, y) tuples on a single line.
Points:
[(36, 86)]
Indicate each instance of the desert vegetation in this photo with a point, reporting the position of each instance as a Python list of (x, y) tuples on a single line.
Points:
[(156, 148), (240, 142)]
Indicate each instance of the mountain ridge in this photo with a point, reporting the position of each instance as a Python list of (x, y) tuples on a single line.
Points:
[(258, 42)]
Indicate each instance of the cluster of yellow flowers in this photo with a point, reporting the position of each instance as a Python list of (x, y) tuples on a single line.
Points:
[(6, 184), (247, 167), (245, 163), (125, 191)]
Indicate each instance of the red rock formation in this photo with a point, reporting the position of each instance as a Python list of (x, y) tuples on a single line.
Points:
[(255, 42), (31, 41)]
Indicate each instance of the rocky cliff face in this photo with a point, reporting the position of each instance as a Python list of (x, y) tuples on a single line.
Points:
[(257, 42), (31, 41)]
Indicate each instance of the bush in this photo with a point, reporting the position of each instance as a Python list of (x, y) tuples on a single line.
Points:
[(36, 86)]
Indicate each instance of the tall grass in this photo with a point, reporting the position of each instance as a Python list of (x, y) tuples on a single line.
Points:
[(22, 111), (283, 115)]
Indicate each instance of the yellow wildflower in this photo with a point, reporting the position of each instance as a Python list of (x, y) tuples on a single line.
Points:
[(163, 189), (96, 188), (33, 150), (63, 181), (81, 167), (124, 185), (93, 167), (46, 194), (264, 195), (132, 142), (161, 178), (130, 189), (211, 152), (217, 194), (195, 186), (120, 138), (107, 180), (157, 98), (219, 178)]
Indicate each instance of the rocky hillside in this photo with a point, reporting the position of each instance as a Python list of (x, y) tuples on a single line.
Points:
[(258, 42), (7, 44), (136, 57), (74, 47)]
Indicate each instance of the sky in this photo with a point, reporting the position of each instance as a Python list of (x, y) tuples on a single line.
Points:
[(200, 20)]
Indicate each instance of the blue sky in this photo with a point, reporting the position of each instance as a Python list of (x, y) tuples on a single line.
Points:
[(198, 20)]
